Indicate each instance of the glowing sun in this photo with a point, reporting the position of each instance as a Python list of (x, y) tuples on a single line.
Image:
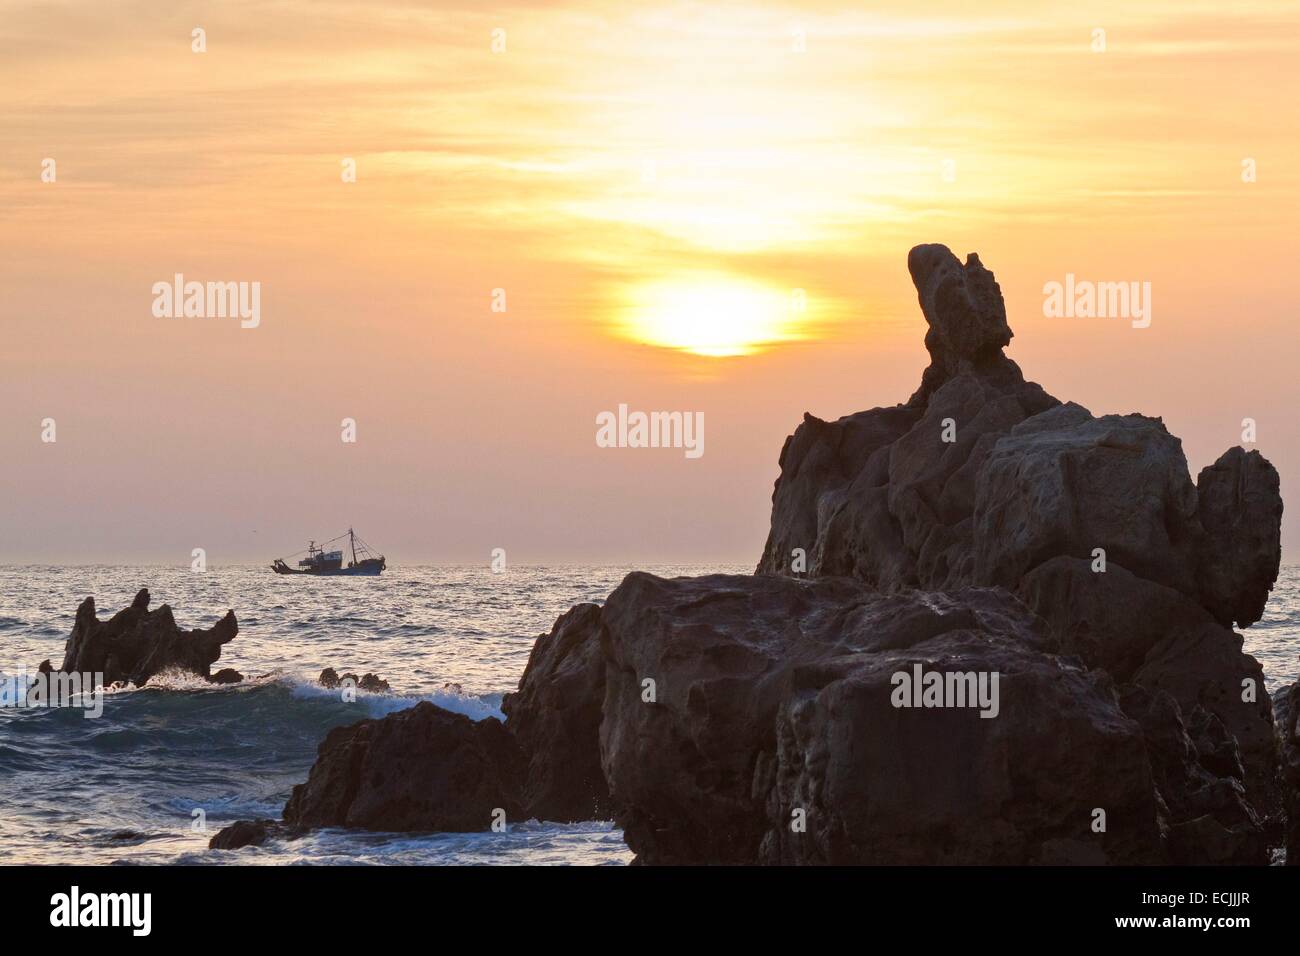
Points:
[(716, 315)]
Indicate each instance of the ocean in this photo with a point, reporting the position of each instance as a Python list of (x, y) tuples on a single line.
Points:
[(169, 764)]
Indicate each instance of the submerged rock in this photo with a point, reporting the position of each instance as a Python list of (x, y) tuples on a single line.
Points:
[(330, 678), (373, 683), (243, 833), (136, 643)]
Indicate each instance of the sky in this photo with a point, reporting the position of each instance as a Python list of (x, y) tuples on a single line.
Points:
[(561, 208)]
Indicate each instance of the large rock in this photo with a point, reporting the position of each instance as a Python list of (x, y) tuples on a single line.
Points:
[(555, 718), (1199, 776), (135, 643), (1241, 510), (1065, 483), (1110, 619), (1204, 666), (771, 703), (419, 769), (981, 478)]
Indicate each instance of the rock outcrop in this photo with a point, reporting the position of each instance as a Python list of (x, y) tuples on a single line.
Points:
[(329, 678), (424, 768), (243, 833), (555, 717), (135, 644), (774, 734), (987, 627), (985, 479)]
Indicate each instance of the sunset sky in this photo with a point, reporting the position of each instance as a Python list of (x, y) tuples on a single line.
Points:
[(654, 187)]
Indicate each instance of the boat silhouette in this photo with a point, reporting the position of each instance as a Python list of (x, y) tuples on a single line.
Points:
[(321, 561)]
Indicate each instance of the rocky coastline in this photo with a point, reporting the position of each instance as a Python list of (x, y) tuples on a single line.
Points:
[(987, 626)]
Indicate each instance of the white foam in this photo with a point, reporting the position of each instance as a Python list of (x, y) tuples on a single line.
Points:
[(381, 705)]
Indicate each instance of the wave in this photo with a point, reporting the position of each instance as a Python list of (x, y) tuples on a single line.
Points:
[(179, 716)]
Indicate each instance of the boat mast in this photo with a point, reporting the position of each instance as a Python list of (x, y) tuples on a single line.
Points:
[(352, 540)]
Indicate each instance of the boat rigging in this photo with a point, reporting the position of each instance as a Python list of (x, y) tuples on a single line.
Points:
[(320, 560)]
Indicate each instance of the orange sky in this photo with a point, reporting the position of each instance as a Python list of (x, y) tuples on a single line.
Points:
[(622, 176)]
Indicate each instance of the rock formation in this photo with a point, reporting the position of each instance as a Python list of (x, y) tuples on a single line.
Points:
[(983, 539), (1286, 704), (373, 683), (1024, 492), (244, 833), (424, 768), (136, 643)]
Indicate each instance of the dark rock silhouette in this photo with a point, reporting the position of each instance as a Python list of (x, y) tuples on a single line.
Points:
[(1027, 493), (424, 768), (773, 707), (135, 643), (330, 678), (981, 528), (556, 716), (243, 833)]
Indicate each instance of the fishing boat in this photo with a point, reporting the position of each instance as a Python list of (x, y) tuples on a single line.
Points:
[(320, 560)]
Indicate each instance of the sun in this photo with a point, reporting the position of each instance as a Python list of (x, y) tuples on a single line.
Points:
[(715, 315)]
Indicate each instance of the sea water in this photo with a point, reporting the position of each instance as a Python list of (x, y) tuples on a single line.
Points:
[(167, 765)]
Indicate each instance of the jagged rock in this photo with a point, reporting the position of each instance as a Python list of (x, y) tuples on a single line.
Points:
[(329, 678), (555, 717), (419, 769), (1020, 491), (1204, 666), (136, 643), (1198, 774), (243, 833), (963, 307), (831, 500), (227, 675)]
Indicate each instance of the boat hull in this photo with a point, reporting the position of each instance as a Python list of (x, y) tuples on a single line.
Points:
[(335, 573), (369, 568)]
